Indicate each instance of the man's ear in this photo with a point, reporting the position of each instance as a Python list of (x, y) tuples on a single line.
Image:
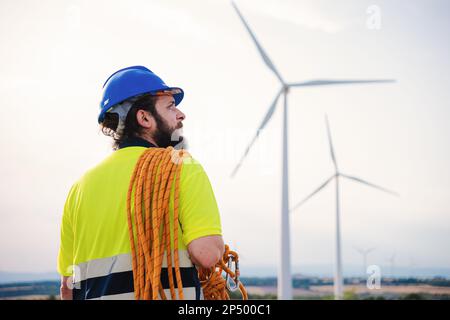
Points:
[(144, 119)]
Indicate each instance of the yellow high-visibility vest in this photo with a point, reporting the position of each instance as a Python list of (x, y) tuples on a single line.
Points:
[(95, 244)]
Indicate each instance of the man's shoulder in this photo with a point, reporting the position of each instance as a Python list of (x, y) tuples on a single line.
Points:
[(192, 167), (122, 160)]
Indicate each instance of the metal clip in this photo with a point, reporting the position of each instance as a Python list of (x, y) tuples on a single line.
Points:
[(236, 272)]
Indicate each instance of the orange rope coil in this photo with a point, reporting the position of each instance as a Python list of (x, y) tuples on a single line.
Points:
[(149, 231)]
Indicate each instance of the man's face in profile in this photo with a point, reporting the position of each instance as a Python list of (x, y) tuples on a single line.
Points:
[(169, 121)]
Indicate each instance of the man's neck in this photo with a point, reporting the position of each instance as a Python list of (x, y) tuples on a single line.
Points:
[(148, 138), (137, 142)]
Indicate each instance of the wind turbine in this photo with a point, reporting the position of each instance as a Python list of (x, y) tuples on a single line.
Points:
[(412, 266), (284, 270), (391, 261), (338, 278), (364, 253)]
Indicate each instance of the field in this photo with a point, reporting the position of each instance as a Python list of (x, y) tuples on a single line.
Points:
[(265, 288), (357, 291)]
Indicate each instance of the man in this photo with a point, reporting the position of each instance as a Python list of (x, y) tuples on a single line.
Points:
[(139, 111)]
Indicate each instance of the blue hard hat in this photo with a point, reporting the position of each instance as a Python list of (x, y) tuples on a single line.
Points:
[(130, 82)]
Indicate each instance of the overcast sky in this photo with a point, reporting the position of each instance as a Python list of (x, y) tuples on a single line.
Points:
[(55, 56)]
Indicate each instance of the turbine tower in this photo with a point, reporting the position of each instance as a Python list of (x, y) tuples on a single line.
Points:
[(284, 270), (338, 278)]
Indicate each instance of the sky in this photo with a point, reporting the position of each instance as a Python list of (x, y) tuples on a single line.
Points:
[(56, 55)]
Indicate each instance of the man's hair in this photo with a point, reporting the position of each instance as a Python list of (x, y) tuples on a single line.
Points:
[(132, 129)]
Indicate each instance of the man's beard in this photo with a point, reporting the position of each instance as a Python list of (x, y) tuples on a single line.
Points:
[(166, 136)]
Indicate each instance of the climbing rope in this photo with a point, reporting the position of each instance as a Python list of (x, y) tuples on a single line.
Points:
[(149, 230)]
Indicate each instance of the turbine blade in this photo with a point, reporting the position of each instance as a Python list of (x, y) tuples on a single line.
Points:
[(264, 122), (263, 54), (330, 141), (270, 112), (327, 82), (323, 185), (370, 184)]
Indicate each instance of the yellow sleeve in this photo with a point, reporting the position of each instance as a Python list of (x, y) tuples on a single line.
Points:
[(65, 255), (199, 213)]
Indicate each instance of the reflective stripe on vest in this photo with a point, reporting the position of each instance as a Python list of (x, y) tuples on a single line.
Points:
[(112, 278)]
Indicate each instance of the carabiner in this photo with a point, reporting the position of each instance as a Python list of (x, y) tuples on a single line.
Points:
[(236, 272)]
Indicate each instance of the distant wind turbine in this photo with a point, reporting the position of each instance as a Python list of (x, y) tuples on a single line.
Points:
[(412, 266), (364, 253), (284, 270), (338, 279), (392, 264)]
